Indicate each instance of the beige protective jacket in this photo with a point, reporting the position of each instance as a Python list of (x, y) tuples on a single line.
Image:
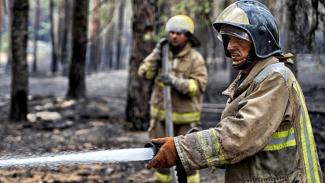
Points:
[(264, 135), (186, 101)]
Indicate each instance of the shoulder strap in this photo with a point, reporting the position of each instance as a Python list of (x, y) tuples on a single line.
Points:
[(286, 58), (270, 69)]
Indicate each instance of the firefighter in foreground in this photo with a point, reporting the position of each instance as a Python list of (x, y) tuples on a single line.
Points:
[(187, 78), (265, 133)]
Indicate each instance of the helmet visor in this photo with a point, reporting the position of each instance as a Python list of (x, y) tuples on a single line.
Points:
[(233, 31)]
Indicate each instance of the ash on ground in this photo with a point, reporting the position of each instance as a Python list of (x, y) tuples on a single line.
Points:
[(59, 125)]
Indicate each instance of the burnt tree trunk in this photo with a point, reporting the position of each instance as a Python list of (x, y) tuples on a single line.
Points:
[(303, 22), (94, 48), (8, 7), (139, 90), (119, 39), (54, 61), (35, 35), (64, 32), (77, 82), (18, 41)]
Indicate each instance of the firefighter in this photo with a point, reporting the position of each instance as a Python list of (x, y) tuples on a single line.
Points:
[(187, 78), (265, 134)]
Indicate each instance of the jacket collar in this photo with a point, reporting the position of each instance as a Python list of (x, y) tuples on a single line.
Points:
[(234, 90), (184, 52)]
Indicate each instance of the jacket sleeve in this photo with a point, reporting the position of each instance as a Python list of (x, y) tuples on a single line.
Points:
[(150, 65), (241, 135), (197, 80)]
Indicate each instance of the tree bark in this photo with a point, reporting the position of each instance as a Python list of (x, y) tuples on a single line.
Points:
[(8, 6), (303, 22), (54, 55), (139, 90), (94, 29), (77, 82), (119, 39), (65, 34), (19, 83), (35, 35)]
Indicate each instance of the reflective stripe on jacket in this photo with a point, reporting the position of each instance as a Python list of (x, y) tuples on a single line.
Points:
[(186, 104), (264, 135)]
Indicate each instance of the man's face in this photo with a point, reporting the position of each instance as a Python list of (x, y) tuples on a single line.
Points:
[(177, 38), (238, 49)]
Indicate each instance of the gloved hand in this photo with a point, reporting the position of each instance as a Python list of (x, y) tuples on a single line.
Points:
[(167, 79), (167, 154), (180, 84)]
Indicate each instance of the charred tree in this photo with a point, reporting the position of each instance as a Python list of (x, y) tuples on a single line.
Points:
[(120, 24), (77, 82), (18, 41), (94, 30), (8, 6), (303, 22), (64, 32), (139, 90), (54, 55), (35, 35)]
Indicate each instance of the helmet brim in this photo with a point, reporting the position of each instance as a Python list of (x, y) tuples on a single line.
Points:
[(234, 31), (194, 41)]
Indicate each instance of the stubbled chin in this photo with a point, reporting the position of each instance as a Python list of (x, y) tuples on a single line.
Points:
[(237, 62)]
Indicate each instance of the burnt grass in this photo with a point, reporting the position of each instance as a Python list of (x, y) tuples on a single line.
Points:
[(83, 126), (59, 125)]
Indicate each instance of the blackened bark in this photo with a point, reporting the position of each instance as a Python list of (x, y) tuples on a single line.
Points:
[(94, 48), (65, 34), (119, 34), (139, 90), (18, 41), (303, 22), (54, 61), (77, 83), (35, 35)]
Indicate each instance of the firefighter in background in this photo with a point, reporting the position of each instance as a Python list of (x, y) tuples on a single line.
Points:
[(265, 134), (187, 78)]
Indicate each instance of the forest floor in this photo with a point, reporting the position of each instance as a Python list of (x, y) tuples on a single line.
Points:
[(96, 123)]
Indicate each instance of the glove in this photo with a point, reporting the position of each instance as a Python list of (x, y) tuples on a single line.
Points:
[(179, 84), (167, 79), (167, 154)]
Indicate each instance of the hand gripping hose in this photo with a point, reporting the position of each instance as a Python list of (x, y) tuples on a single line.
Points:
[(180, 170)]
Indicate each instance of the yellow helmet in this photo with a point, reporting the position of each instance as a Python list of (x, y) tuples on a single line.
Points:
[(180, 23)]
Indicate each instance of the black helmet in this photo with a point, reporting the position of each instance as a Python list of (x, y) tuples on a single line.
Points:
[(256, 20)]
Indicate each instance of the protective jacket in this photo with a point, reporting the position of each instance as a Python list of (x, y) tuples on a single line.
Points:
[(264, 135), (187, 65)]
